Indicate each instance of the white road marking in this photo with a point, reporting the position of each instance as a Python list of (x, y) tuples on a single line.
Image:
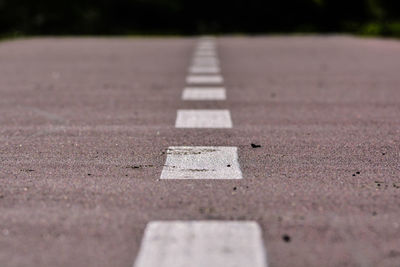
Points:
[(202, 244), (204, 70), (201, 88), (203, 119), (204, 94), (204, 79), (197, 163)]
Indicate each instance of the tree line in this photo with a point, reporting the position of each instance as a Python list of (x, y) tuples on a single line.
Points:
[(187, 17)]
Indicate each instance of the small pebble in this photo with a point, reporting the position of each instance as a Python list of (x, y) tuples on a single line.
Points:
[(286, 238)]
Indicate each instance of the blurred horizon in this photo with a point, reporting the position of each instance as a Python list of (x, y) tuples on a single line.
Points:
[(180, 17)]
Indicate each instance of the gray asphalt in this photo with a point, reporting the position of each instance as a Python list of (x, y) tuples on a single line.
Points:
[(85, 123)]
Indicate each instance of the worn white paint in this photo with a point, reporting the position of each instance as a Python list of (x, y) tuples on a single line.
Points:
[(204, 79), (204, 94), (194, 118), (202, 163), (205, 70), (202, 244)]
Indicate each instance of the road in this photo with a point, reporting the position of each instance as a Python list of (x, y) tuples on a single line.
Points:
[(86, 126)]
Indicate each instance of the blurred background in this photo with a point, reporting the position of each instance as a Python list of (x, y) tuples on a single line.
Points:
[(190, 17)]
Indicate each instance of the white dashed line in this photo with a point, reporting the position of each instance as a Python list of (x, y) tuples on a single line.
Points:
[(204, 70), (203, 119), (197, 163), (208, 87), (202, 244), (204, 79), (204, 94)]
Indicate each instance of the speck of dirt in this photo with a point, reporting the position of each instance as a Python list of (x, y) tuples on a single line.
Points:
[(358, 172), (228, 165), (383, 154), (255, 146), (27, 170), (286, 238), (89, 174), (394, 254), (206, 210), (354, 174), (235, 188), (139, 166)]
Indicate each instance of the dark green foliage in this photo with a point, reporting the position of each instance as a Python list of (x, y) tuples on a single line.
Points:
[(107, 17)]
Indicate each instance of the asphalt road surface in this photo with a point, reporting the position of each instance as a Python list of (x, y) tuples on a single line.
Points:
[(310, 127)]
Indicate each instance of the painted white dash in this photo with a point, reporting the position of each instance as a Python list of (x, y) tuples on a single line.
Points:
[(197, 163), (201, 88), (203, 119), (204, 70), (204, 94), (202, 244), (206, 65), (205, 79)]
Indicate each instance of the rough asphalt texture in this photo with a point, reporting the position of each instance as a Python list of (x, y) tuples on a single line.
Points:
[(85, 123)]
